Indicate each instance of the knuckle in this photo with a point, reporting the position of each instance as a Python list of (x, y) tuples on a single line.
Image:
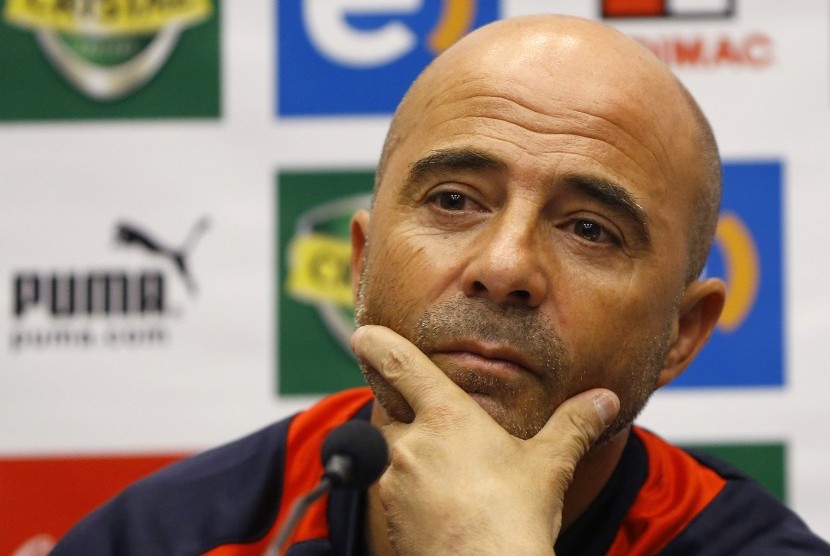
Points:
[(387, 491), (400, 457), (395, 362), (397, 461)]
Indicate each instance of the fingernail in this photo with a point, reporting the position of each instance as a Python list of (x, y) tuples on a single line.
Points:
[(607, 407)]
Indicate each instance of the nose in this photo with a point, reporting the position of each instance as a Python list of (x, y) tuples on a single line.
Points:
[(506, 266)]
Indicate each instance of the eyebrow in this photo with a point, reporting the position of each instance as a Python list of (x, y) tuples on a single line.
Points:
[(453, 159), (615, 197)]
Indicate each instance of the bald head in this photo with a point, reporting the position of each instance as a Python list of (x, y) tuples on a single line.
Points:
[(551, 169), (557, 66)]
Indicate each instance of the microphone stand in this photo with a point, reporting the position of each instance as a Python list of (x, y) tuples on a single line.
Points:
[(336, 473)]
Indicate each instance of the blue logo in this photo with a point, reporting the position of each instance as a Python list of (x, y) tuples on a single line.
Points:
[(349, 57), (747, 347)]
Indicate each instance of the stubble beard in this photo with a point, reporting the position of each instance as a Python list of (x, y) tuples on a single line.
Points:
[(522, 407)]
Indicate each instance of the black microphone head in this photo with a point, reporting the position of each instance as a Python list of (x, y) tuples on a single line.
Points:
[(365, 448)]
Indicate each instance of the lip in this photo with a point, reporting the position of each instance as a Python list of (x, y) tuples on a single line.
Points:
[(492, 357)]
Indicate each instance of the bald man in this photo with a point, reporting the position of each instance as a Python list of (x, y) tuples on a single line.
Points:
[(526, 279)]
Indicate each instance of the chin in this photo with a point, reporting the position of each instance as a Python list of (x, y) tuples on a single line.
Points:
[(514, 418), (610, 435)]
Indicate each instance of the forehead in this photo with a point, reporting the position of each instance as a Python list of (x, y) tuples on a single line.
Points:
[(538, 128), (594, 100)]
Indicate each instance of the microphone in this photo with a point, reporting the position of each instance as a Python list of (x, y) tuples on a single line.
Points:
[(353, 455)]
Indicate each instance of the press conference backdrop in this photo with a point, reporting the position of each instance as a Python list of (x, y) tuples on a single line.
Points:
[(177, 179)]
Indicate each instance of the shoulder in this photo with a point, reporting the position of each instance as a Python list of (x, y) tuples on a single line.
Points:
[(696, 504), (744, 519), (195, 503), (229, 494)]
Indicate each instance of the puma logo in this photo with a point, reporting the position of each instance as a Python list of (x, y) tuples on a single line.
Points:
[(129, 234)]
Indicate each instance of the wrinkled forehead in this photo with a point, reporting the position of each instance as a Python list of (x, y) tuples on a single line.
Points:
[(609, 77), (568, 83)]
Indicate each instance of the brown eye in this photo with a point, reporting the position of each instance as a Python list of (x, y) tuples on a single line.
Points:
[(590, 231), (450, 200)]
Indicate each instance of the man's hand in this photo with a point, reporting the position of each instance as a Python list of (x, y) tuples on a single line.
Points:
[(457, 482)]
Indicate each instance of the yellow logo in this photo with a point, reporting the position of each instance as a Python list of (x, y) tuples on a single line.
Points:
[(320, 269), (319, 263), (456, 21), (106, 17), (742, 270)]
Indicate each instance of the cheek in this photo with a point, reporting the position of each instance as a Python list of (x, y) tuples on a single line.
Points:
[(608, 324), (406, 274)]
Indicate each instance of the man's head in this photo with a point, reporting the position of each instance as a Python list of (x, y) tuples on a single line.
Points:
[(545, 200)]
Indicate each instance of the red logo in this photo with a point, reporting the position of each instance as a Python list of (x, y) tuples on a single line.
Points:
[(752, 49), (667, 8)]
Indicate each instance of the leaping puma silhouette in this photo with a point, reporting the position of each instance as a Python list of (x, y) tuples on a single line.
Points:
[(130, 234)]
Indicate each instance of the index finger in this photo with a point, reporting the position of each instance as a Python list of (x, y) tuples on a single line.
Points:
[(406, 368)]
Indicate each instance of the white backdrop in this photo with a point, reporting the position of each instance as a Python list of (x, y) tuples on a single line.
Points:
[(65, 186)]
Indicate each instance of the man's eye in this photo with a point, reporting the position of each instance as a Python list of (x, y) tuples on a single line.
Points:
[(589, 231), (451, 200)]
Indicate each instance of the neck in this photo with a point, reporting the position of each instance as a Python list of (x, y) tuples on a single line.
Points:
[(591, 475)]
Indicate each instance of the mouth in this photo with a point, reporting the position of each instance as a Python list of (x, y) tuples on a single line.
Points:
[(491, 359)]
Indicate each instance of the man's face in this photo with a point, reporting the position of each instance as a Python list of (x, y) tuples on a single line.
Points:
[(529, 244)]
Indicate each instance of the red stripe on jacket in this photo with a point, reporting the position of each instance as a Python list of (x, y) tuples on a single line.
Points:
[(303, 470), (676, 490)]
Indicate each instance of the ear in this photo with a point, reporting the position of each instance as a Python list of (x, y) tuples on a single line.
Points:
[(360, 235), (697, 316)]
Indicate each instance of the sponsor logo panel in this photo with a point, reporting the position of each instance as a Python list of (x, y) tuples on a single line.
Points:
[(747, 347), (315, 313), (754, 50), (668, 8), (696, 46), (764, 462), (104, 306), (358, 56), (105, 59), (47, 496)]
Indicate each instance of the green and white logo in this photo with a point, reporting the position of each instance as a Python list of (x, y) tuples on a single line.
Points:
[(108, 52), (763, 461), (315, 311), (318, 264)]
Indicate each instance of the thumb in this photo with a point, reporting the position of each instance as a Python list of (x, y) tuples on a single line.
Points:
[(568, 435), (579, 422)]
